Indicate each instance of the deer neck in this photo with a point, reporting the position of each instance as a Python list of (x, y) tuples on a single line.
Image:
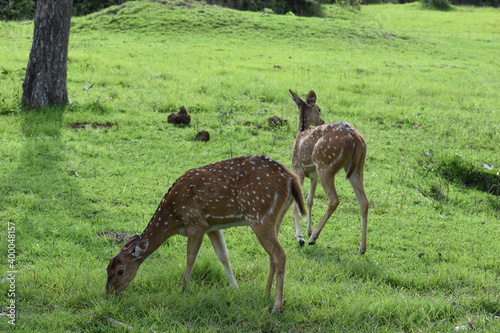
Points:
[(304, 123), (159, 229)]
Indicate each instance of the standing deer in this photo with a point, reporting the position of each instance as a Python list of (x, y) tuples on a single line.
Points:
[(319, 153), (252, 190)]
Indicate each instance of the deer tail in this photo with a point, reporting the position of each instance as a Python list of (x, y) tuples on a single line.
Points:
[(296, 190), (358, 156)]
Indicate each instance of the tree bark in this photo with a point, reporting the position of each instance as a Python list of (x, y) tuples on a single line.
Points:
[(45, 81)]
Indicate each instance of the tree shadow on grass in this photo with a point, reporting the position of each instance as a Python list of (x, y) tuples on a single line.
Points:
[(348, 263), (41, 196)]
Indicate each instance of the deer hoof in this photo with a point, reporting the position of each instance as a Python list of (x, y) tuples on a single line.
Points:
[(301, 242), (277, 310)]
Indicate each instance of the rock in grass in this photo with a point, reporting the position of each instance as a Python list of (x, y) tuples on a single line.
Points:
[(276, 121), (182, 117), (202, 136)]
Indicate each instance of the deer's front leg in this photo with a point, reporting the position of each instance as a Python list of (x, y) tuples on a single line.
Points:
[(195, 238), (217, 239)]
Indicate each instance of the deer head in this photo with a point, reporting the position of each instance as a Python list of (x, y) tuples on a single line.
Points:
[(123, 267), (309, 111)]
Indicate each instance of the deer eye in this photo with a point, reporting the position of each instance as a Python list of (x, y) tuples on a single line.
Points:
[(120, 272)]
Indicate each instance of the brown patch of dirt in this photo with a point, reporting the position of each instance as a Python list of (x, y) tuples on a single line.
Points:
[(117, 237), (276, 121), (83, 125)]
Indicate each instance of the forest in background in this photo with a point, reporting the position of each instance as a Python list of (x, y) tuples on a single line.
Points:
[(25, 9)]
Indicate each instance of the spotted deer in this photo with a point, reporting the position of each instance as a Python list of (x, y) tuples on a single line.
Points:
[(319, 153), (253, 191)]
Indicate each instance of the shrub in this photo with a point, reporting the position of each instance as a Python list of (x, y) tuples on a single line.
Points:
[(17, 9), (25, 9), (350, 3), (436, 4), (298, 7), (84, 7)]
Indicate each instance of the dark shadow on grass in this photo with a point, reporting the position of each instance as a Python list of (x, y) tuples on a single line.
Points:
[(41, 188), (467, 174), (358, 267), (350, 264)]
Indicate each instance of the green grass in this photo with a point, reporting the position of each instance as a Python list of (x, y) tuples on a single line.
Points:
[(420, 85)]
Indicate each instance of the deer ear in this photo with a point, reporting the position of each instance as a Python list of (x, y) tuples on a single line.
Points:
[(129, 242), (140, 248), (296, 98), (311, 98)]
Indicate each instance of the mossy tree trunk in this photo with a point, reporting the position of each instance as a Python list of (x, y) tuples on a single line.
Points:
[(45, 81)]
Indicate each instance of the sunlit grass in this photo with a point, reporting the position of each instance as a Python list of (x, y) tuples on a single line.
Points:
[(420, 85)]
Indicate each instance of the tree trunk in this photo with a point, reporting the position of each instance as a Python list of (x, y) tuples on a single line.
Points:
[(45, 82)]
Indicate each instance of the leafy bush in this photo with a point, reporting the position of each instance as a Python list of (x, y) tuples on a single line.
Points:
[(437, 4), (298, 7), (492, 3), (350, 3), (84, 7), (17, 9), (25, 9)]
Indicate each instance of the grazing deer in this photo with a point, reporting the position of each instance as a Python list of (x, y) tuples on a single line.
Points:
[(319, 153), (252, 190)]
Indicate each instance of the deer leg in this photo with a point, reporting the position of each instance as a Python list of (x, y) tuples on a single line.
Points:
[(298, 232), (270, 277), (356, 181), (272, 267), (296, 217), (217, 239), (310, 201), (195, 238), (277, 256), (328, 183)]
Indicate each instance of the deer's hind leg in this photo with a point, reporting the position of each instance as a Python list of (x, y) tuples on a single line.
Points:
[(327, 179), (310, 201), (356, 181), (267, 235)]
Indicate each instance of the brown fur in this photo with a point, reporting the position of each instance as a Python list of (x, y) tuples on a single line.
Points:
[(322, 151), (250, 190)]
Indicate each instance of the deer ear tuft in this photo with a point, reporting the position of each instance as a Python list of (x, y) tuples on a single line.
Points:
[(130, 242), (296, 98), (140, 248)]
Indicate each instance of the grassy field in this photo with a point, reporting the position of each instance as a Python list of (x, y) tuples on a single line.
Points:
[(420, 85)]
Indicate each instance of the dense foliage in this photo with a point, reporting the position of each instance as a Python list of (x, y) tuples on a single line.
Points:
[(299, 7), (84, 7), (16, 9), (25, 9)]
